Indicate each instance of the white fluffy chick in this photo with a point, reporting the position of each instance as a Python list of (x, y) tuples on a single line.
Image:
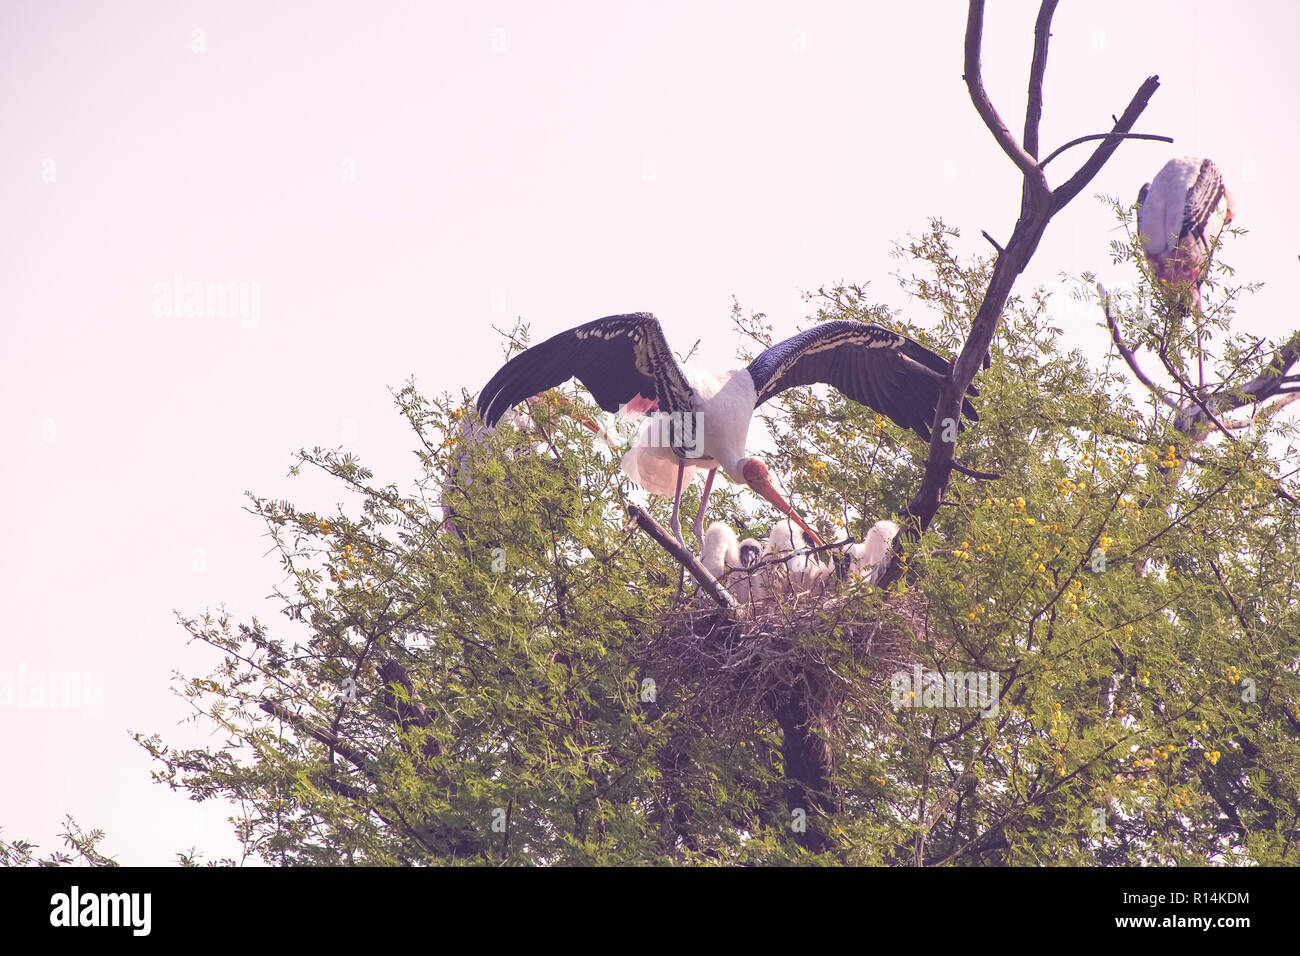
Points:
[(868, 560), (803, 573), (733, 561)]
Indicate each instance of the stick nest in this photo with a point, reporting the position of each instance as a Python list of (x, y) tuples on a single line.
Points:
[(819, 652)]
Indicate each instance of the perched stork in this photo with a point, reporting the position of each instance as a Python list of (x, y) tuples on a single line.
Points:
[(702, 418), (1180, 215), (734, 562)]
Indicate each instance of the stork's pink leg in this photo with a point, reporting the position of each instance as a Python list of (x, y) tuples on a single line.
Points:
[(676, 523), (704, 503)]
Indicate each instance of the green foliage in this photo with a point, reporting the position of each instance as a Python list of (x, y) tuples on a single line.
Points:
[(478, 696), (84, 847)]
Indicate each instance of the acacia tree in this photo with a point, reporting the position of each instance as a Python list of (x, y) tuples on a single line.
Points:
[(531, 687)]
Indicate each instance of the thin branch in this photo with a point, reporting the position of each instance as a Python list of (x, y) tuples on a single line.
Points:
[(993, 242), (1194, 395), (984, 106), (1238, 423), (319, 733), (1063, 193), (1034, 103), (1128, 355), (1091, 136), (972, 473)]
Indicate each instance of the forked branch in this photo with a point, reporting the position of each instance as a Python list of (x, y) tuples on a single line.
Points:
[(1038, 204)]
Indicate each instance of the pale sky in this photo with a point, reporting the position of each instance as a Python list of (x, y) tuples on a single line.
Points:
[(391, 180)]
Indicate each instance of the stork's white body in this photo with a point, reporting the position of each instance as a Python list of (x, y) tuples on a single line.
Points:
[(724, 410), (1160, 217), (1181, 213)]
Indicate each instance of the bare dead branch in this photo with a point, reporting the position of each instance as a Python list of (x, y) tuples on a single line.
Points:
[(993, 242), (984, 106), (1034, 104), (1063, 193), (1091, 136), (1258, 390), (1238, 423), (1037, 207)]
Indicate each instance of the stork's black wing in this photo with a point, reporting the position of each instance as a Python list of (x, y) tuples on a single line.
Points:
[(869, 364), (617, 358), (1202, 199)]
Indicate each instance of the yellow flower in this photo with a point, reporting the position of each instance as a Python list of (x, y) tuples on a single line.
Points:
[(324, 527)]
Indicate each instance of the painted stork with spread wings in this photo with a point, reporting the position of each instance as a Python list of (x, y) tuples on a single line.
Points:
[(702, 418), (1180, 215)]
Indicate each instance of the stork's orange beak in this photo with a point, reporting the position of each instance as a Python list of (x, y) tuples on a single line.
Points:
[(760, 479)]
